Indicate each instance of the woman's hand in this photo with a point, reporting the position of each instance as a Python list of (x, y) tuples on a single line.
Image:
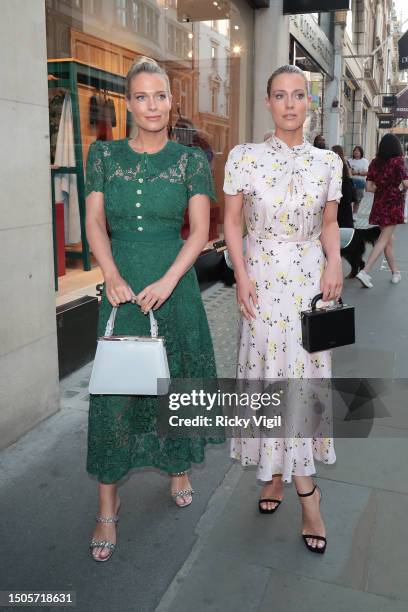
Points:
[(331, 282), (246, 297), (118, 291), (154, 295)]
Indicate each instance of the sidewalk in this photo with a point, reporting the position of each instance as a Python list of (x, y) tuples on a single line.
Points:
[(247, 562), (220, 554), (48, 503)]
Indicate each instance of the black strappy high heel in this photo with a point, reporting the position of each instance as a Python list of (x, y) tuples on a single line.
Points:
[(305, 536), (268, 510)]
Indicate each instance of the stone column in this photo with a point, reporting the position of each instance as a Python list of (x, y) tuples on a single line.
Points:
[(28, 342), (332, 98), (271, 51)]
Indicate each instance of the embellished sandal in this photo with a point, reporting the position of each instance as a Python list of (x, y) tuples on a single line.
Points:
[(307, 536), (104, 543), (186, 493)]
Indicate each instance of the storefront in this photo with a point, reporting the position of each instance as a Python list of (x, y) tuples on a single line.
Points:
[(312, 51), (206, 48)]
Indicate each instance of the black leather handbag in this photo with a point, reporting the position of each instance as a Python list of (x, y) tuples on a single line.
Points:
[(326, 328)]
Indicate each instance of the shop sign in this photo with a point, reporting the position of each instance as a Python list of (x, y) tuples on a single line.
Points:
[(313, 40), (403, 52), (293, 7), (400, 111), (385, 121), (389, 101), (203, 10)]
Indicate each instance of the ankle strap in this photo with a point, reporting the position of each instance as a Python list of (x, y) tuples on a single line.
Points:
[(307, 494)]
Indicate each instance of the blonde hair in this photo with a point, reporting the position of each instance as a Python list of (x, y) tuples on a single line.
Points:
[(286, 69), (145, 64)]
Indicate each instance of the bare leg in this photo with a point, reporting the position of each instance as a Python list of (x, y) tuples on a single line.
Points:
[(312, 521), (389, 255), (272, 489), (379, 247), (108, 506)]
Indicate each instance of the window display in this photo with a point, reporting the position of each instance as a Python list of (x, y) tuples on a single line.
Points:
[(203, 47)]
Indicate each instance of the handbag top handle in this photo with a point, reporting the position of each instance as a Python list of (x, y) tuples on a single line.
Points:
[(154, 330), (319, 297)]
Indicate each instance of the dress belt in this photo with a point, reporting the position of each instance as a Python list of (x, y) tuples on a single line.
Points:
[(145, 236), (273, 239)]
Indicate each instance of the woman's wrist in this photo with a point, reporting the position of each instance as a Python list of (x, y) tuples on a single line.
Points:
[(171, 277), (240, 272), (110, 274), (333, 260)]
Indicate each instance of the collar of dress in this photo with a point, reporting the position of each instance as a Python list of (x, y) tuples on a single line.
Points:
[(278, 145)]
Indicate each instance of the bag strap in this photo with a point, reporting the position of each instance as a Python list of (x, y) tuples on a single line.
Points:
[(154, 330)]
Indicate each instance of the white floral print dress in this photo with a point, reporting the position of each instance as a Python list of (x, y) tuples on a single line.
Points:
[(285, 192)]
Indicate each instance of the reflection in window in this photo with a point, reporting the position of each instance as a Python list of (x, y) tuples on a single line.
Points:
[(135, 16), (214, 100), (121, 12), (214, 56), (178, 42)]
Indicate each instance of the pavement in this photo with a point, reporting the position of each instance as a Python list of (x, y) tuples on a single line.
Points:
[(220, 554)]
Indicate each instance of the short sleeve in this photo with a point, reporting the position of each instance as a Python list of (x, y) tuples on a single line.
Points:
[(95, 170), (336, 179), (198, 175), (365, 164), (233, 172)]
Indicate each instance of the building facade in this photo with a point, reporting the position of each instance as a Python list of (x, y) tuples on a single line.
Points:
[(219, 56)]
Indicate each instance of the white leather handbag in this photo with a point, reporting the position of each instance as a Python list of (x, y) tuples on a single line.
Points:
[(130, 365)]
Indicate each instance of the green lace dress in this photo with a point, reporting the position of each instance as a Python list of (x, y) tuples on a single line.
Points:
[(145, 198)]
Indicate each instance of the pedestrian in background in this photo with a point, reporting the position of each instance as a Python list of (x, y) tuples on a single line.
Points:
[(387, 178), (406, 193), (359, 168), (319, 142), (345, 209)]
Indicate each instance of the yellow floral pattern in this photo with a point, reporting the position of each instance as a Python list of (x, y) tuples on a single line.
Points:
[(285, 191)]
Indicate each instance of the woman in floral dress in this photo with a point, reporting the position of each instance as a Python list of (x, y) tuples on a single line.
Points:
[(387, 178), (288, 191)]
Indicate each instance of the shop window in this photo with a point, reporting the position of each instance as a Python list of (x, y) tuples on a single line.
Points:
[(209, 94)]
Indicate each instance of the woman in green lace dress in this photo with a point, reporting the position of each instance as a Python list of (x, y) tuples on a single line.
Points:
[(142, 187)]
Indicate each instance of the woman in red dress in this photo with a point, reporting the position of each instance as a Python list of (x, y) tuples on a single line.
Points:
[(387, 178)]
